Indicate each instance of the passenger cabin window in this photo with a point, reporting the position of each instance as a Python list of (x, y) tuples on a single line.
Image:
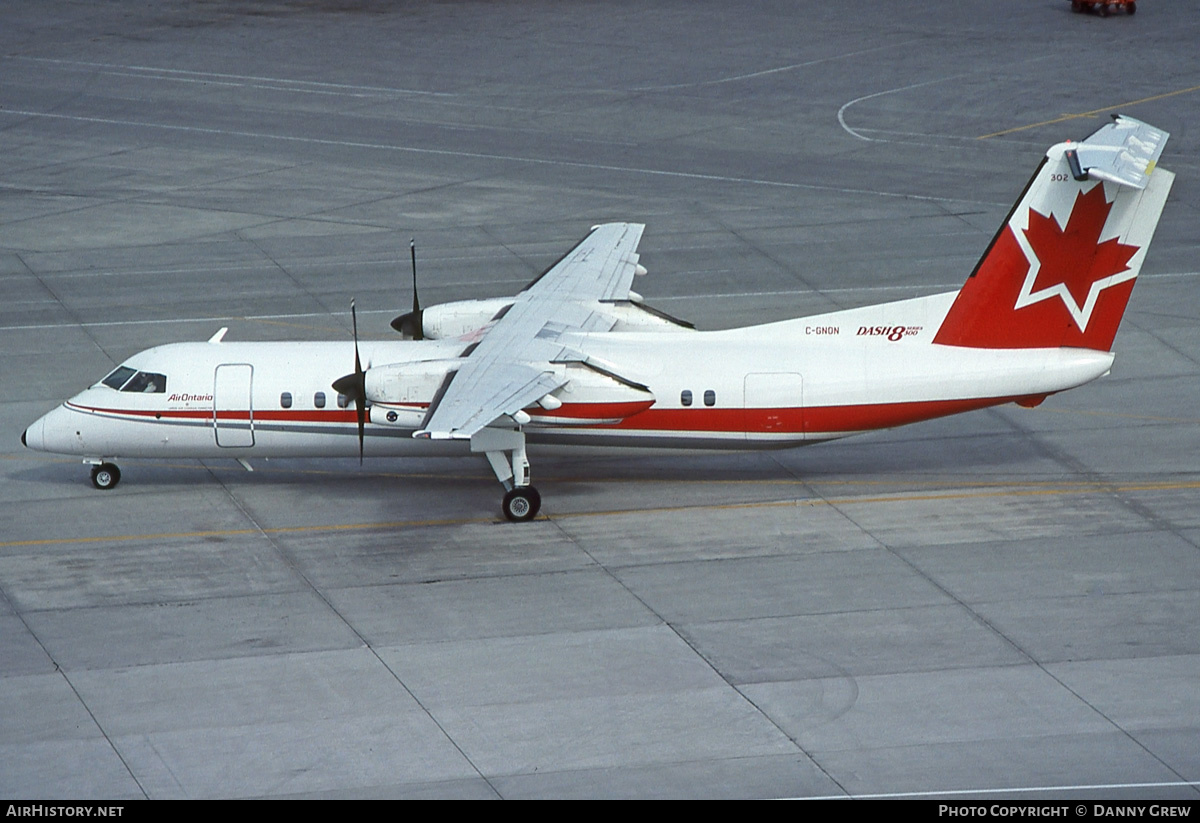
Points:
[(285, 399), (710, 398), (685, 397), (343, 401), (141, 382), (319, 400)]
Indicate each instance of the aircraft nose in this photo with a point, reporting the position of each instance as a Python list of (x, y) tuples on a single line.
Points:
[(50, 433), (32, 437)]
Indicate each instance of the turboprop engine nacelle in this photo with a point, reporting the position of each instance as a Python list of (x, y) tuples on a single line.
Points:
[(458, 319), (400, 393), (450, 320), (408, 384)]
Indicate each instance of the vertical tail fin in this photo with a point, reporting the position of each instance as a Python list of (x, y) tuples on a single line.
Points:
[(1060, 270)]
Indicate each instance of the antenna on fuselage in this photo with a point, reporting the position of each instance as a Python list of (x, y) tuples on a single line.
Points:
[(410, 324)]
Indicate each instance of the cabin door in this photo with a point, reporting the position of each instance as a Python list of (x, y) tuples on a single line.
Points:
[(233, 412), (774, 405)]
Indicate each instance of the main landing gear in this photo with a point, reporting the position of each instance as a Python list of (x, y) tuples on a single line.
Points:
[(521, 503), (105, 476), (505, 452)]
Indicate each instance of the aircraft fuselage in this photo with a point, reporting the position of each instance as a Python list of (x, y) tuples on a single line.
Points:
[(770, 386)]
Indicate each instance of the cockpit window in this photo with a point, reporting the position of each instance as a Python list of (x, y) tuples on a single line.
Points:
[(145, 382), (119, 377), (124, 378)]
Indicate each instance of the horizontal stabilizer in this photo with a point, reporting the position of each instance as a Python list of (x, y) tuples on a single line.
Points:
[(1123, 152)]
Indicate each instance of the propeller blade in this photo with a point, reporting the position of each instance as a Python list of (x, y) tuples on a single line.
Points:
[(410, 324), (354, 326), (419, 331), (412, 249), (354, 385)]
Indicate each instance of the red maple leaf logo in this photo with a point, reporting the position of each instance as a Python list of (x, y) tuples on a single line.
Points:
[(1043, 285), (1074, 257)]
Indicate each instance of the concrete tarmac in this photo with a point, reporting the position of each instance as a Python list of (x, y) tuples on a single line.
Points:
[(1004, 604)]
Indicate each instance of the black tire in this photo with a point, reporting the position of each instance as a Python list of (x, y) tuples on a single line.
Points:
[(521, 504), (106, 476), (1103, 9), (1131, 8), (1077, 6)]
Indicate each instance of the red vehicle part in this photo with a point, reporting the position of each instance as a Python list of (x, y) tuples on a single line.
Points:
[(1104, 8)]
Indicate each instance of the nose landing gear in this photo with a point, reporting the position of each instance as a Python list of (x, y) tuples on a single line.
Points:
[(105, 476)]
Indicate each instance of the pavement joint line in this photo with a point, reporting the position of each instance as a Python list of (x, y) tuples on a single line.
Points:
[(903, 497)]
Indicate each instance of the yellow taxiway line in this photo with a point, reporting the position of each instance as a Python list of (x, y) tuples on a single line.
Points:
[(1092, 113), (974, 491)]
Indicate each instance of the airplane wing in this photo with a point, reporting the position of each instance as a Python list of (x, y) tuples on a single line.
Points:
[(512, 366), (601, 267)]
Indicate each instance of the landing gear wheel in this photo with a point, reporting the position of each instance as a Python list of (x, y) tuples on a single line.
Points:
[(522, 503), (106, 476)]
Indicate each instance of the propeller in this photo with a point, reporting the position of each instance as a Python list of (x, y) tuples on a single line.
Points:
[(354, 385), (410, 324)]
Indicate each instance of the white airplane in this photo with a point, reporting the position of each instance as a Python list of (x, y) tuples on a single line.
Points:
[(576, 358)]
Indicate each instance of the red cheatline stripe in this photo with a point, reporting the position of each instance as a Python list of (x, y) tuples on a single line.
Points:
[(813, 420), (816, 419), (299, 415)]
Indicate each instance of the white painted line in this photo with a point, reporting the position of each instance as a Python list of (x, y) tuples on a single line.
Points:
[(1082, 787), (282, 83), (765, 72), (540, 161), (841, 115), (290, 265), (933, 288)]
